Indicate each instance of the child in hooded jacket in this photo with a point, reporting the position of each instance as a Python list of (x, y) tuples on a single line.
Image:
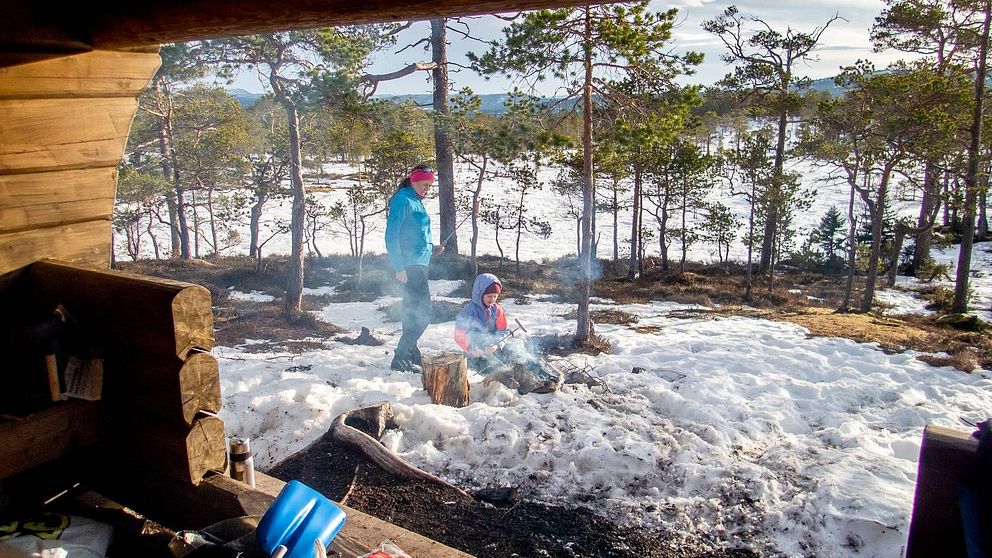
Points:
[(480, 327), (482, 324)]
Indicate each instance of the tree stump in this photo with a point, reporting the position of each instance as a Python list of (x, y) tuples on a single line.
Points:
[(445, 377)]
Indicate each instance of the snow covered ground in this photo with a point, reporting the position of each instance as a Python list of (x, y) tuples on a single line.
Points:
[(737, 430)]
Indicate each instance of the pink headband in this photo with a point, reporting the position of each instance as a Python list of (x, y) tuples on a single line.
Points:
[(417, 175)]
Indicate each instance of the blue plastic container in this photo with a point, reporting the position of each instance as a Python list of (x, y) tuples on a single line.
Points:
[(298, 516)]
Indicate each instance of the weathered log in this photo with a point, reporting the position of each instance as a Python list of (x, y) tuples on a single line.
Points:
[(47, 435), (167, 387), (93, 74), (445, 377), (81, 243), (161, 316), (61, 134), (186, 454), (375, 451), (38, 200)]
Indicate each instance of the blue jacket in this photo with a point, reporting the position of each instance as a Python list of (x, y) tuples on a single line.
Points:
[(477, 326), (408, 230)]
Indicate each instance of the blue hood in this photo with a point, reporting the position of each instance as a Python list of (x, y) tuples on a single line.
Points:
[(482, 283)]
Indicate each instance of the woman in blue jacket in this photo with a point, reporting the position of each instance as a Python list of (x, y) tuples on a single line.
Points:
[(408, 245)]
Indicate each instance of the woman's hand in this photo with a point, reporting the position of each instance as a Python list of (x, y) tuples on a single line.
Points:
[(401, 276), (438, 249)]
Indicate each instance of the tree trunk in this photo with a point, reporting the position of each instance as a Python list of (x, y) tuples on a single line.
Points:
[(635, 224), (684, 233), (971, 179), (476, 203), (774, 197), (616, 217), (254, 224), (901, 231), (663, 236), (946, 191), (851, 251), (165, 149), (749, 286), (584, 286), (929, 206), (982, 233), (442, 143), (184, 250), (877, 212), (982, 230), (294, 282)]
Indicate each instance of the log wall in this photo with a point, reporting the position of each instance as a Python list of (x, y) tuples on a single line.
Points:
[(63, 128), (161, 386)]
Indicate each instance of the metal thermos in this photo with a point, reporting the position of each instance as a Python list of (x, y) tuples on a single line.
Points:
[(242, 464)]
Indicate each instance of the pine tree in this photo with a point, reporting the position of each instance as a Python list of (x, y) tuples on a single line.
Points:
[(591, 49), (830, 235)]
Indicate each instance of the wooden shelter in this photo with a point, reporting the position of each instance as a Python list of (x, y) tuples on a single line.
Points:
[(70, 77)]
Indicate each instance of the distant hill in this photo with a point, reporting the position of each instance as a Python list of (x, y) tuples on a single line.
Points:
[(246, 99), (492, 103), (827, 85)]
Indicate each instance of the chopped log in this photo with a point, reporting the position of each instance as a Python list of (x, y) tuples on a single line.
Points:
[(82, 243), (375, 451), (144, 442), (169, 388), (47, 435), (935, 528), (161, 316), (445, 378), (62, 134), (39, 200)]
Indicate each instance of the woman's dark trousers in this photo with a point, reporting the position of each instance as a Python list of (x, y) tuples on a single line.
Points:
[(416, 314)]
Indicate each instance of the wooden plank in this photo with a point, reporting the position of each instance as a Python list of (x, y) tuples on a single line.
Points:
[(364, 531), (169, 388), (219, 497), (935, 528), (38, 200), (124, 310), (47, 435), (82, 243), (101, 73), (56, 134)]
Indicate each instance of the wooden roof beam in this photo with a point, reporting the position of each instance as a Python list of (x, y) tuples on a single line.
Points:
[(122, 24)]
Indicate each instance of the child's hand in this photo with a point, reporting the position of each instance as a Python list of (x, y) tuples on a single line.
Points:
[(477, 352)]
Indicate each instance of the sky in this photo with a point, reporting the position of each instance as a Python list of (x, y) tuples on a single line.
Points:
[(738, 429), (844, 42)]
